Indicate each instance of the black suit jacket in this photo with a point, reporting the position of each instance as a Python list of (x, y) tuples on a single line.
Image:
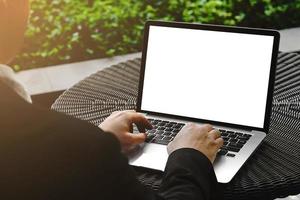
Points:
[(47, 155)]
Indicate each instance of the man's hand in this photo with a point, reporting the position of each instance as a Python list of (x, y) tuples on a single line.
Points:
[(121, 124), (202, 138)]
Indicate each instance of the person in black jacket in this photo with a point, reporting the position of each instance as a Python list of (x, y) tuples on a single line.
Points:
[(48, 155)]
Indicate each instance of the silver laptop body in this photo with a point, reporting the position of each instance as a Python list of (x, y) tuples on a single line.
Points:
[(207, 74)]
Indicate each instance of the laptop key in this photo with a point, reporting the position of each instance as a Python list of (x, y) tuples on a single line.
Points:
[(178, 126), (161, 124), (233, 140), (239, 134), (151, 131), (247, 135), (230, 148), (161, 128), (159, 137), (230, 155), (167, 138), (242, 142), (175, 130), (233, 149), (154, 123), (224, 134), (222, 152), (159, 132), (243, 138), (168, 129), (232, 135), (235, 145), (149, 137), (167, 133), (157, 141)]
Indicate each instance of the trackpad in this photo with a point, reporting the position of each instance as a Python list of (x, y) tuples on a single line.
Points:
[(153, 156)]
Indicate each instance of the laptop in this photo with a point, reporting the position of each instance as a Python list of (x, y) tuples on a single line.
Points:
[(212, 74)]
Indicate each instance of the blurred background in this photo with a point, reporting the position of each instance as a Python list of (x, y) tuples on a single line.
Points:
[(65, 31)]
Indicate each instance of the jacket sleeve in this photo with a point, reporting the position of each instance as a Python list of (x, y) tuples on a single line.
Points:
[(47, 155), (189, 175)]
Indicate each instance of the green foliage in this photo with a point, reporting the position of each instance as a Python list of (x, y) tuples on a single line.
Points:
[(71, 30)]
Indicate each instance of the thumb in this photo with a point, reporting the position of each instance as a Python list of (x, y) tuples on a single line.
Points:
[(137, 138)]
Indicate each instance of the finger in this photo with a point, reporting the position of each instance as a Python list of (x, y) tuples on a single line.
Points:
[(219, 142), (215, 134), (134, 139), (140, 120), (206, 127), (141, 128)]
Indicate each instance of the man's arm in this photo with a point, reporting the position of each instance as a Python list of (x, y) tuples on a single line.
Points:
[(189, 175), (189, 172), (47, 155)]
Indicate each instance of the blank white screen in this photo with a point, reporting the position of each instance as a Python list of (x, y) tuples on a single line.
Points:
[(211, 75)]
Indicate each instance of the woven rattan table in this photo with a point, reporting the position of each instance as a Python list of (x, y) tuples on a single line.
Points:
[(274, 169)]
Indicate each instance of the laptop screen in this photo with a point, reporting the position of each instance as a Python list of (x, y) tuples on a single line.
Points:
[(204, 74)]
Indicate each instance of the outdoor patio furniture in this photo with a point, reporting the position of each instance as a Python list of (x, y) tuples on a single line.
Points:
[(274, 169)]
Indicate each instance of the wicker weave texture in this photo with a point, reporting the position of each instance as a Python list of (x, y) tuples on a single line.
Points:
[(274, 169)]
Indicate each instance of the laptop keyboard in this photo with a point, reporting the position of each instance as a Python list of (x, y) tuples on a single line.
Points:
[(233, 142), (163, 132)]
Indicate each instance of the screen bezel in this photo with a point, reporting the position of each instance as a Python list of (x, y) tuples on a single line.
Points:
[(266, 32)]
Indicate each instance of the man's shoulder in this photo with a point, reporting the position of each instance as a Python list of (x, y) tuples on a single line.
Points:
[(7, 76)]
